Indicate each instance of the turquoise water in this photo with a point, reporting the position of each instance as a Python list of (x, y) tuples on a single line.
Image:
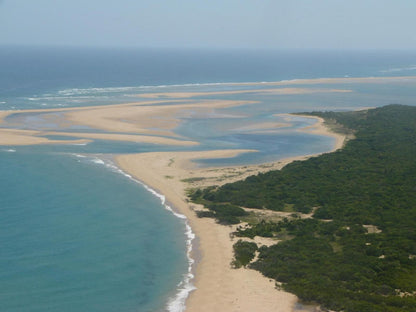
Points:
[(76, 234), (270, 144)]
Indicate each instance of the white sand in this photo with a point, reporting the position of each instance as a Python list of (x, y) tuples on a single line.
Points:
[(219, 287)]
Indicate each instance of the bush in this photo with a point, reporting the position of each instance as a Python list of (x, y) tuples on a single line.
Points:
[(244, 252)]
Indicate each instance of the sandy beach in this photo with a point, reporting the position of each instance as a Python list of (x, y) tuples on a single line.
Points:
[(319, 128), (218, 286)]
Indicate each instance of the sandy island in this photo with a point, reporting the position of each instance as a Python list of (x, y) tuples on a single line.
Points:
[(219, 287)]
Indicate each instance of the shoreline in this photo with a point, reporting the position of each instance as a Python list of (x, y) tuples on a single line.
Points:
[(170, 173), (174, 303), (320, 128), (185, 287)]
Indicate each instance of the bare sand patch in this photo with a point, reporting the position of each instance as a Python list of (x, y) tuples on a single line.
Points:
[(264, 127), (315, 81), (219, 287), (146, 122), (125, 138), (158, 119), (27, 137), (319, 128)]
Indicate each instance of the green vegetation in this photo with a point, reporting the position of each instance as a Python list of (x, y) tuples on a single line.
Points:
[(339, 266), (224, 213), (244, 253), (331, 258), (191, 180)]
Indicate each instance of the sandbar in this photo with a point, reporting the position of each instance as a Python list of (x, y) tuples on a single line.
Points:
[(146, 122), (27, 137), (219, 287), (280, 91), (314, 81), (125, 138)]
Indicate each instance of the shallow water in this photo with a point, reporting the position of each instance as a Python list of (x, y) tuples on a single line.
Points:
[(76, 234)]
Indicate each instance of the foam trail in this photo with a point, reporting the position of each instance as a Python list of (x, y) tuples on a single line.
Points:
[(83, 95), (399, 69), (98, 161), (185, 287), (93, 92)]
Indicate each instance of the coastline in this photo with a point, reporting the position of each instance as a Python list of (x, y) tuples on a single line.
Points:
[(169, 175), (71, 112), (218, 286), (320, 128)]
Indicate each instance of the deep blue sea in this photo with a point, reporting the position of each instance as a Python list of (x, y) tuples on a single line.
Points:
[(76, 233)]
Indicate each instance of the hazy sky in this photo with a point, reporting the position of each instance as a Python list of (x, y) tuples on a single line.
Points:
[(318, 24)]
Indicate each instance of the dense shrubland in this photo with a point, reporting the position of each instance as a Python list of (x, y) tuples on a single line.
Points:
[(332, 258)]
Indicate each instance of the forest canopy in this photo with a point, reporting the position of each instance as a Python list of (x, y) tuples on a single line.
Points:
[(358, 251)]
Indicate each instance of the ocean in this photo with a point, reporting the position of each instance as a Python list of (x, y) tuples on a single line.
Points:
[(78, 234)]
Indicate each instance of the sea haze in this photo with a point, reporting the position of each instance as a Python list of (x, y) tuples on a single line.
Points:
[(30, 71)]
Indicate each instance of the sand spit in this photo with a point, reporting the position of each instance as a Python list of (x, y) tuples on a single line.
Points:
[(319, 128), (219, 287)]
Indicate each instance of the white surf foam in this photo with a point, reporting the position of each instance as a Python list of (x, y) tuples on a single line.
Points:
[(399, 69), (98, 161), (81, 95), (177, 302), (88, 92)]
